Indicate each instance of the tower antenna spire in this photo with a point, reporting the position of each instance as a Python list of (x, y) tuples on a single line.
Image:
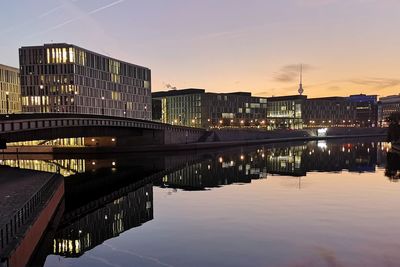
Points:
[(301, 90), (301, 73)]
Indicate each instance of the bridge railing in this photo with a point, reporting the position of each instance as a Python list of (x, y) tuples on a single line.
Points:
[(10, 231), (24, 122)]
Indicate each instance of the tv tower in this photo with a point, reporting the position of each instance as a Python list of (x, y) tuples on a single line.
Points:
[(301, 90)]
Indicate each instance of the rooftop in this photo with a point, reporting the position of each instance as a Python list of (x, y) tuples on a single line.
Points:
[(329, 98), (8, 68), (175, 92), (62, 45), (288, 97)]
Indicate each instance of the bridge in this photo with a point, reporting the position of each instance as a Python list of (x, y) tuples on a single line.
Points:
[(126, 131)]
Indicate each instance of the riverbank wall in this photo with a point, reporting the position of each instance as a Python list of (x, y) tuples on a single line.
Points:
[(215, 139), (31, 200)]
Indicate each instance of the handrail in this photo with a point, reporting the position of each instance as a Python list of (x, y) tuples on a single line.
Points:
[(10, 231), (65, 116)]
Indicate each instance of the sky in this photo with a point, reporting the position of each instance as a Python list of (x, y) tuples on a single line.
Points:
[(345, 46)]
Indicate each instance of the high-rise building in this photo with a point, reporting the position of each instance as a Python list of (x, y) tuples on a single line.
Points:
[(66, 78), (197, 108), (10, 92), (386, 106)]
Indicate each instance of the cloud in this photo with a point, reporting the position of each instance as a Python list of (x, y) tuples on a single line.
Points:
[(376, 82), (290, 73), (169, 86)]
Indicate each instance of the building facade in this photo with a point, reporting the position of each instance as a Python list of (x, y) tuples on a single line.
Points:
[(197, 108), (329, 112), (386, 106), (366, 109), (285, 112), (10, 91), (69, 79)]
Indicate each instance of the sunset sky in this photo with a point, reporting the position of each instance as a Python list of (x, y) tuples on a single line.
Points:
[(346, 46)]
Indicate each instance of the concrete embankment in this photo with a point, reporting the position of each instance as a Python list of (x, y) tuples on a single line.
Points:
[(251, 134), (28, 202), (238, 138), (218, 139)]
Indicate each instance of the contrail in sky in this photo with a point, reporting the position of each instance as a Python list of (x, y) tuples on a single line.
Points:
[(51, 11), (76, 18), (105, 7)]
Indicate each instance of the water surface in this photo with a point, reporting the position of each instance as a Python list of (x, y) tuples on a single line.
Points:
[(309, 204)]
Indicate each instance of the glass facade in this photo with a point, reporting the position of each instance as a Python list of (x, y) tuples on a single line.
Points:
[(387, 105), (182, 110), (10, 92), (70, 79), (285, 112)]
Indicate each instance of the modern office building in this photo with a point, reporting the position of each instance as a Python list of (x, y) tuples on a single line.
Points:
[(67, 78), (366, 110), (10, 91), (386, 106), (329, 112), (197, 108), (285, 112), (179, 107), (297, 112)]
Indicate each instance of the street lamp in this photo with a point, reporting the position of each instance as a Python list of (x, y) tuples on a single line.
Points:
[(41, 97), (102, 105), (7, 101)]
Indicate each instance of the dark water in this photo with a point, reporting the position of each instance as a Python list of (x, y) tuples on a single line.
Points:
[(308, 204)]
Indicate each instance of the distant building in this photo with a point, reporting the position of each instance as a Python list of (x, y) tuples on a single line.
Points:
[(10, 91), (197, 108), (285, 112), (329, 112), (70, 79), (366, 107), (297, 112), (386, 106)]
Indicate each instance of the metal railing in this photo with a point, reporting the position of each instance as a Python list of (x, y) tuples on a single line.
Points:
[(10, 231), (26, 121)]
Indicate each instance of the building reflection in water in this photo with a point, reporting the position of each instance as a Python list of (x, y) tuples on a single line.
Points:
[(65, 167), (293, 161), (393, 166), (213, 173), (240, 167), (72, 239)]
